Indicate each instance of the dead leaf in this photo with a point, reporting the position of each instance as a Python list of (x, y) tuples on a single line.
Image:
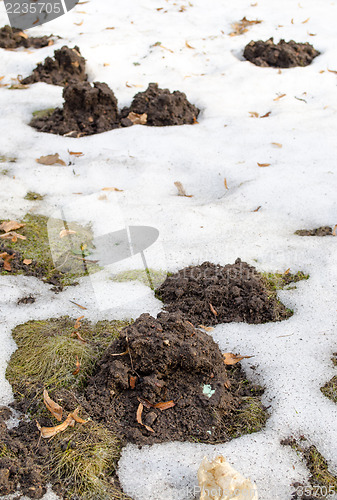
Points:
[(266, 115), (137, 119), (10, 225), (257, 209), (181, 190), (164, 405), (330, 71), (55, 409), (102, 197), (227, 384), (279, 97), (13, 236), (78, 323), (232, 359), (78, 305), (133, 381), (254, 114), (287, 271), (27, 261), (49, 432), (75, 153), (139, 417), (188, 45), (120, 353), (277, 144), (263, 164), (213, 310), (18, 86), (110, 28), (50, 160), (206, 328), (78, 335), (66, 232), (241, 27), (303, 22), (334, 230), (225, 183), (6, 257), (79, 24), (24, 35), (78, 366), (112, 189), (77, 419)]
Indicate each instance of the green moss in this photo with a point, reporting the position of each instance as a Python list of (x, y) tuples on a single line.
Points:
[(46, 354), (83, 459), (4, 171), (53, 254), (330, 389), (41, 113), (148, 277), (5, 452), (278, 281), (250, 417), (31, 196)]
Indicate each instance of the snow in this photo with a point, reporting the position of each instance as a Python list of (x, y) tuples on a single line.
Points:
[(298, 190)]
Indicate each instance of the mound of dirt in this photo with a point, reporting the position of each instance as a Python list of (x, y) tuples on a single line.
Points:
[(87, 110), (319, 231), (16, 263), (163, 360), (67, 66), (12, 38), (161, 107), (209, 294), (281, 55)]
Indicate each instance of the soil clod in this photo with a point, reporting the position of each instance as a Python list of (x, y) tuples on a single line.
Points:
[(162, 107), (235, 292), (87, 110), (176, 365), (67, 66), (12, 38), (281, 55), (319, 231)]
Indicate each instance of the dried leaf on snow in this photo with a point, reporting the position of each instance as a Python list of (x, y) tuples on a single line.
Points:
[(279, 97), (50, 160), (137, 119), (232, 359), (206, 328), (139, 417), (277, 144), (112, 189), (181, 190), (55, 409), (263, 164), (241, 27), (10, 225), (188, 45)]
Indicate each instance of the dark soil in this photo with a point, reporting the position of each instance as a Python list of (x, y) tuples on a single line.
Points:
[(320, 231), (281, 55), (67, 66), (210, 294), (33, 269), (12, 38), (170, 360), (161, 107), (87, 110), (26, 300)]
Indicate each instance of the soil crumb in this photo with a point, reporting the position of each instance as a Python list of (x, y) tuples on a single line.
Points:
[(320, 231), (281, 55), (87, 110), (165, 360), (210, 294), (12, 38), (67, 66), (161, 107), (26, 300)]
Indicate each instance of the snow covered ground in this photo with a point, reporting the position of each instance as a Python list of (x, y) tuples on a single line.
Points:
[(297, 190)]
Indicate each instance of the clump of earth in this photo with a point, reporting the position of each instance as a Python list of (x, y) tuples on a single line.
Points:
[(12, 38), (88, 109), (210, 294), (161, 107), (319, 231), (281, 55), (65, 67), (164, 380)]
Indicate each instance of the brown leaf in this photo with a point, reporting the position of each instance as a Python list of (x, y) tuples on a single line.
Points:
[(139, 417), (133, 381), (78, 366), (120, 353), (78, 305), (13, 236), (50, 160), (266, 115), (330, 71), (78, 322), (49, 432), (181, 190), (213, 310), (232, 359), (227, 384), (55, 409), (257, 209), (254, 114), (66, 232), (263, 164), (18, 86), (164, 405), (206, 328), (79, 24), (24, 35), (78, 335), (77, 419), (240, 27), (277, 144), (27, 261), (75, 153), (6, 258), (334, 230), (287, 271), (10, 225), (188, 45), (112, 189), (225, 183), (303, 22), (138, 119), (279, 97)]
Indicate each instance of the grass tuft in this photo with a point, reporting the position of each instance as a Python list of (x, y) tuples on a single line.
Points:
[(149, 277), (32, 196)]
